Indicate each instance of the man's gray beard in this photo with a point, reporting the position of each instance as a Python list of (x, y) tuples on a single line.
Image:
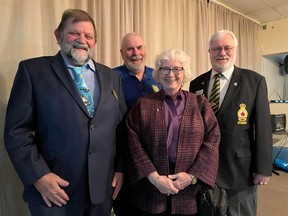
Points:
[(133, 68), (75, 57)]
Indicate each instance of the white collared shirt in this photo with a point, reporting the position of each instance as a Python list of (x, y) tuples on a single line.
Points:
[(224, 83)]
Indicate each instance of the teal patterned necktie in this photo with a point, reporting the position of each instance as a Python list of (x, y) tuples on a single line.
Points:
[(83, 90)]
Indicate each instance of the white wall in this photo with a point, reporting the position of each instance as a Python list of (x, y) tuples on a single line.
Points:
[(274, 50), (276, 81), (274, 37), (275, 77)]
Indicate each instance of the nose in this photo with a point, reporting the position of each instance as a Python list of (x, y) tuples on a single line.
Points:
[(222, 51), (81, 38), (136, 51)]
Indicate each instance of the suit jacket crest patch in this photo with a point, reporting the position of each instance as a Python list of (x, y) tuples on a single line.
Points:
[(242, 114)]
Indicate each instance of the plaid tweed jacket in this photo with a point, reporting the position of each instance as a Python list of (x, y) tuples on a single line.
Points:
[(197, 151)]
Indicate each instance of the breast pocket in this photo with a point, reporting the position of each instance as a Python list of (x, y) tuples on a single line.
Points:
[(243, 153)]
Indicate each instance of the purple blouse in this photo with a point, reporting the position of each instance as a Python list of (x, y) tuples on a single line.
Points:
[(173, 114)]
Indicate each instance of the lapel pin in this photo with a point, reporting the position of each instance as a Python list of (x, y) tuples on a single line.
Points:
[(235, 84), (199, 92), (115, 94)]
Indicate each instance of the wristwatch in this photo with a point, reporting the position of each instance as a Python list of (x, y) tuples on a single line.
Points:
[(193, 179)]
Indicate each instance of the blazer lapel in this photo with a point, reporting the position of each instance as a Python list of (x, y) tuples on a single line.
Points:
[(233, 88), (102, 85), (204, 85), (63, 74)]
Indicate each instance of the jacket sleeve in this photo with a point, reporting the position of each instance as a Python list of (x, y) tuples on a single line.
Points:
[(206, 164), (19, 130), (140, 164), (121, 133), (262, 155)]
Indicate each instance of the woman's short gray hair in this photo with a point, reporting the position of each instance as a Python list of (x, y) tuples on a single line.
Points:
[(172, 54)]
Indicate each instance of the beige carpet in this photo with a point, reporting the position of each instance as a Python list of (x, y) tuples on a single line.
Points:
[(273, 197)]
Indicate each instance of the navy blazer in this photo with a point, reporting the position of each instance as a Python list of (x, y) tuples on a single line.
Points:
[(245, 125), (48, 129)]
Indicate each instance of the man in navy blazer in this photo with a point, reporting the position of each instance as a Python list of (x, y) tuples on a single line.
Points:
[(245, 151), (66, 159)]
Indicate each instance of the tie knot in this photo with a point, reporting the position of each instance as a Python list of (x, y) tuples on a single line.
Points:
[(218, 75), (79, 69)]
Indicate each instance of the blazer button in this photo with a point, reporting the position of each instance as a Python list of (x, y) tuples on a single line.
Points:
[(92, 127)]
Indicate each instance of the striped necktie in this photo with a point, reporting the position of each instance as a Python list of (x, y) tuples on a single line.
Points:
[(83, 90), (215, 93)]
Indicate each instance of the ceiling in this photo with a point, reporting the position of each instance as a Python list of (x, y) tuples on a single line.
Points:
[(261, 11)]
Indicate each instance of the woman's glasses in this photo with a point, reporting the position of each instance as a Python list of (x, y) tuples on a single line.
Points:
[(175, 70)]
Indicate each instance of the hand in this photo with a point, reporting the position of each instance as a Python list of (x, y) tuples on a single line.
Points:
[(163, 183), (260, 179), (117, 183), (180, 180), (49, 186)]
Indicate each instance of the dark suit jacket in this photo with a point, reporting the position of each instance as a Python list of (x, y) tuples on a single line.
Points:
[(197, 151), (246, 143), (48, 129)]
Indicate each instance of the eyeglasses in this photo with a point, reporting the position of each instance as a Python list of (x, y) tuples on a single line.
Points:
[(227, 49), (166, 70)]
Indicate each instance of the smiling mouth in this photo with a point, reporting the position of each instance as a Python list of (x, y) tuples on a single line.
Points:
[(222, 59), (170, 80), (78, 47), (135, 58)]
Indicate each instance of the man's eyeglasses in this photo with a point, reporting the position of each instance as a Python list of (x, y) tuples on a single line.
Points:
[(227, 49), (166, 70)]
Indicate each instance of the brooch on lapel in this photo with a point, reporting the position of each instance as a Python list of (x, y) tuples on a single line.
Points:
[(199, 92), (155, 88), (242, 114)]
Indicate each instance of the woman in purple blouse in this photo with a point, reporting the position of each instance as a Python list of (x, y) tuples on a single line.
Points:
[(173, 145)]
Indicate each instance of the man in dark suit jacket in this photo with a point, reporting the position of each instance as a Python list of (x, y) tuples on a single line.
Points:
[(245, 154), (66, 158)]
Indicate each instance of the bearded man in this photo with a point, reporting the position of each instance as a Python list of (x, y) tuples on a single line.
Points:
[(62, 144), (136, 77), (137, 81), (239, 98)]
